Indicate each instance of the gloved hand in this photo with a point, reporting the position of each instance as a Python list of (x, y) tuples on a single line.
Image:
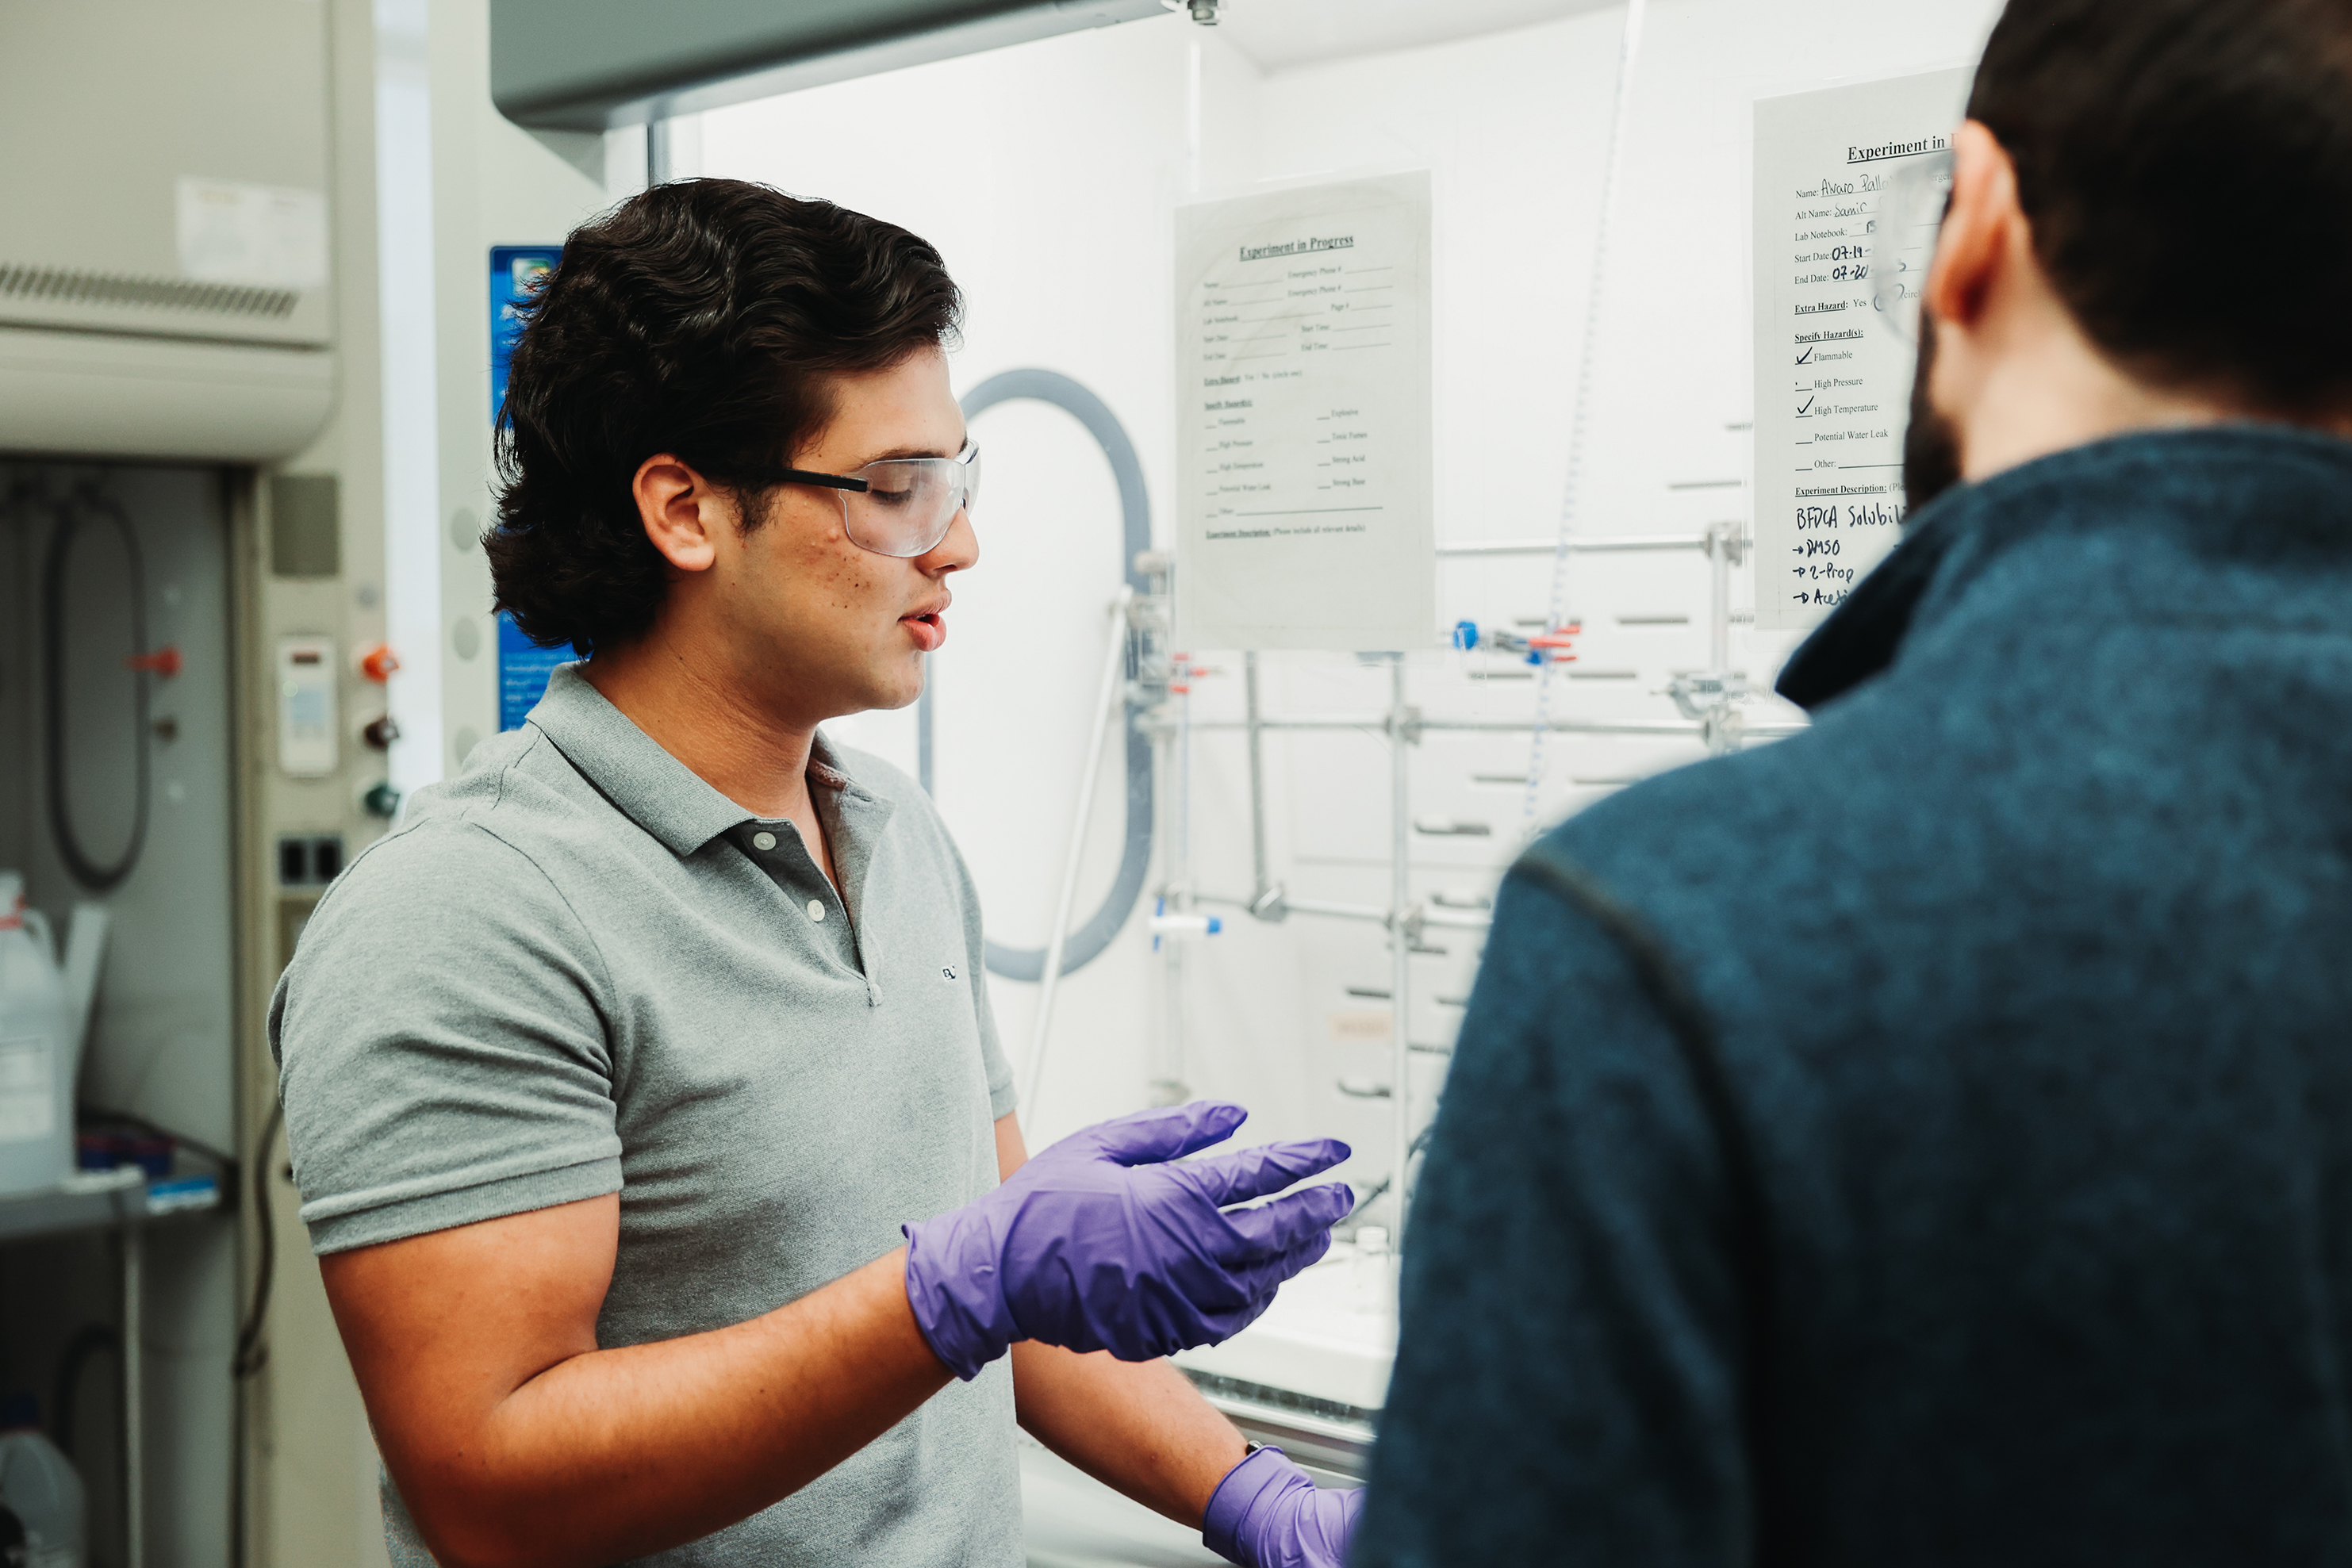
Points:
[(1099, 1243), (1269, 1513)]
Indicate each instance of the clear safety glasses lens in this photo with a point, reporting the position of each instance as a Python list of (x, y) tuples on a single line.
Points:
[(910, 503), (1903, 240)]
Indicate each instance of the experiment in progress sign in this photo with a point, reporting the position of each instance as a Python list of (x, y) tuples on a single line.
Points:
[(1303, 419)]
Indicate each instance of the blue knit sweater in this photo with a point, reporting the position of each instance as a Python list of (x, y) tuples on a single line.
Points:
[(1928, 1141)]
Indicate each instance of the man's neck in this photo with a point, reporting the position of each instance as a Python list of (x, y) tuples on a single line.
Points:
[(2058, 394), (2035, 384), (727, 741)]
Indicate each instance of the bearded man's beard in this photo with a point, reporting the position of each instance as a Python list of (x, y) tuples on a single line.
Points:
[(1931, 447)]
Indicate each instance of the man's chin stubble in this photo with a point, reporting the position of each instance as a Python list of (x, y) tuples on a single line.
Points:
[(1931, 447)]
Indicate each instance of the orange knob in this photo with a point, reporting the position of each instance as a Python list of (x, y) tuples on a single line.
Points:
[(163, 662), (378, 663)]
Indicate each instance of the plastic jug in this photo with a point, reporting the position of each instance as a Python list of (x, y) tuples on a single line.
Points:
[(43, 1012), (38, 1484)]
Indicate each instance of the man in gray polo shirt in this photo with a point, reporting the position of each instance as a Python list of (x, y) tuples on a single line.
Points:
[(614, 1077)]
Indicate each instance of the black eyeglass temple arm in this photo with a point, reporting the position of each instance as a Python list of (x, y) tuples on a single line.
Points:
[(797, 477)]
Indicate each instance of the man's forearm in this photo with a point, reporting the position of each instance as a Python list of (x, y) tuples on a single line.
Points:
[(616, 1453), (1137, 1427)]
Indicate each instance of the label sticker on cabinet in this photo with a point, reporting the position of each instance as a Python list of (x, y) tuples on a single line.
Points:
[(265, 237), (29, 1105), (306, 706)]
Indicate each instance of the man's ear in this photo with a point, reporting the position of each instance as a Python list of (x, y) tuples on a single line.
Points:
[(682, 512), (1981, 231)]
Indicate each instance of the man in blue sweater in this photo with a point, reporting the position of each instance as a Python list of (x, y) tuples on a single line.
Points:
[(1930, 1140)]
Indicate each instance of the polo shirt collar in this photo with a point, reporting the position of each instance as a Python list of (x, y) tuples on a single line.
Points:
[(854, 824), (655, 790)]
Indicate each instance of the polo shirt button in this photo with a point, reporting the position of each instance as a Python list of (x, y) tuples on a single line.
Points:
[(763, 841), (816, 909)]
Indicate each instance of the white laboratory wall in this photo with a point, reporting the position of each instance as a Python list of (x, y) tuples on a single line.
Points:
[(1047, 175), (405, 303)]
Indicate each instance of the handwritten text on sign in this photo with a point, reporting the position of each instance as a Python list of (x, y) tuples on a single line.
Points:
[(1832, 380)]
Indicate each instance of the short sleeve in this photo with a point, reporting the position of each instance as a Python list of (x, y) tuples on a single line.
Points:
[(1567, 1378), (443, 1056)]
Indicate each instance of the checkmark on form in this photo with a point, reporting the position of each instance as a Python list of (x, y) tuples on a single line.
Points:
[(1805, 406), (1804, 357)]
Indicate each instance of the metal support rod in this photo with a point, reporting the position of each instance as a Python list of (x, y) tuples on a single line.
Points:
[(1565, 725), (1399, 943), (1338, 911), (1721, 541), (1371, 724), (1166, 1085), (1363, 912), (1263, 884), (1495, 726), (1454, 919), (135, 1414), (1599, 544), (1114, 662), (657, 151)]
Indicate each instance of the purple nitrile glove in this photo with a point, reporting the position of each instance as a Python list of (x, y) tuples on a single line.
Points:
[(1100, 1243), (1269, 1513)]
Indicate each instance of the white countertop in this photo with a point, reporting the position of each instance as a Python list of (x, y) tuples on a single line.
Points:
[(1330, 1333)]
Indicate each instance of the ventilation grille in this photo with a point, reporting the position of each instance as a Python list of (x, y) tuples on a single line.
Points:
[(18, 282)]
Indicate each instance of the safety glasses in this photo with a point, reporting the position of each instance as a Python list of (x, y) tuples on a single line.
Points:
[(1910, 217), (898, 506)]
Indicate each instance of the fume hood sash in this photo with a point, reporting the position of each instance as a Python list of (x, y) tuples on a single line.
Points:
[(589, 65), (99, 394)]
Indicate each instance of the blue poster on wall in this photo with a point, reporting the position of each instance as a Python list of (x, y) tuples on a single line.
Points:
[(523, 669), (516, 273)]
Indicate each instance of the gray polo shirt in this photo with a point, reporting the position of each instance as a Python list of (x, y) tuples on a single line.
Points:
[(578, 969)]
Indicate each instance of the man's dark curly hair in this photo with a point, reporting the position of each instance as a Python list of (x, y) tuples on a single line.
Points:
[(703, 317), (2187, 168)]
